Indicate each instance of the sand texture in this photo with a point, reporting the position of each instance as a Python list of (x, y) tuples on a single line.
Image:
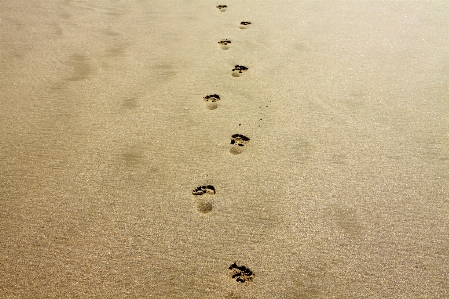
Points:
[(163, 149)]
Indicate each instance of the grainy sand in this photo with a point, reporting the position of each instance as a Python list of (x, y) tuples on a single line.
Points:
[(341, 191)]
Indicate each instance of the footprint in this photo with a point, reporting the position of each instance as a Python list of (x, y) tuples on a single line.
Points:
[(203, 198), (222, 8), (241, 274), (224, 44), (238, 70), (211, 101), (244, 25), (238, 143)]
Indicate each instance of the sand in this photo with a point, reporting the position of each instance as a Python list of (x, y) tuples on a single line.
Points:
[(341, 190)]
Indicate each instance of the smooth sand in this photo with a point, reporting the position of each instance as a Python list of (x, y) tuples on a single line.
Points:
[(341, 192)]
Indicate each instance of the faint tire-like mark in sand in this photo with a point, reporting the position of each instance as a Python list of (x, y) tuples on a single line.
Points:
[(80, 66), (347, 220), (130, 103)]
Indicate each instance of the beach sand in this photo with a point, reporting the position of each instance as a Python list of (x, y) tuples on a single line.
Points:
[(341, 190)]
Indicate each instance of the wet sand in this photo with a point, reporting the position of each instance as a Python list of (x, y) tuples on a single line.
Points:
[(107, 137)]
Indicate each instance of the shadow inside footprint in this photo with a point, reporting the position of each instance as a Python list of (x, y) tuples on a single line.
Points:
[(238, 70), (244, 25), (203, 198), (224, 44), (211, 101), (238, 142), (241, 274), (222, 8)]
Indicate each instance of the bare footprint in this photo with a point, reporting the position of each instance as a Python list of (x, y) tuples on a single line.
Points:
[(211, 101), (241, 274), (204, 203), (222, 8), (224, 44), (238, 70), (238, 142), (244, 25)]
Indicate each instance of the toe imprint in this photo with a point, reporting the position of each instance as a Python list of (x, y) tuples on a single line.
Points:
[(240, 273), (238, 143), (238, 70), (204, 203), (222, 8), (244, 25), (209, 189), (211, 101), (224, 44)]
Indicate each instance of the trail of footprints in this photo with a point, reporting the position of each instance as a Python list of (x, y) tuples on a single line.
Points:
[(204, 194)]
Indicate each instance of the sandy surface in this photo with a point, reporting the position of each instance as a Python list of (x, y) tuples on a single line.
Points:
[(341, 191)]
